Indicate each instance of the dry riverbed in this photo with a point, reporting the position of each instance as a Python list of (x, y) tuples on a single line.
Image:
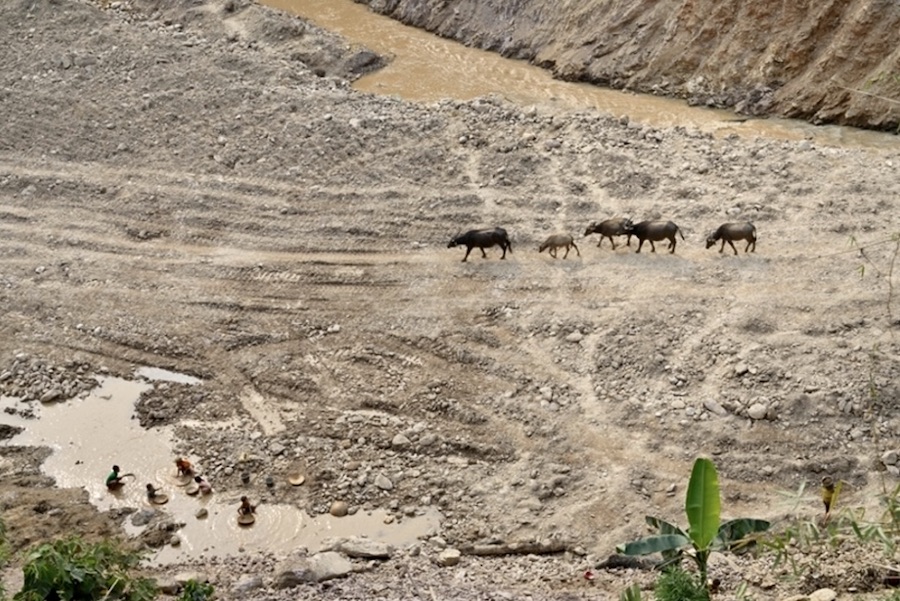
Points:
[(196, 187)]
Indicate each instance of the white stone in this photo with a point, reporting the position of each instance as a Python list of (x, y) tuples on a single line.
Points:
[(757, 411), (449, 557), (823, 594)]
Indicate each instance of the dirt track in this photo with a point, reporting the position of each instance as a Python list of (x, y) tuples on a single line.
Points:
[(179, 189)]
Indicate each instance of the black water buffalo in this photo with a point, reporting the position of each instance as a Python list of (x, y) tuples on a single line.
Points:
[(483, 239), (729, 232), (557, 241), (655, 231), (618, 226)]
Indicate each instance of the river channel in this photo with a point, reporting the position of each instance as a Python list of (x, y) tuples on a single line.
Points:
[(427, 68)]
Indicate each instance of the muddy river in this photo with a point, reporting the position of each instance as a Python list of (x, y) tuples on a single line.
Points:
[(89, 435), (427, 68)]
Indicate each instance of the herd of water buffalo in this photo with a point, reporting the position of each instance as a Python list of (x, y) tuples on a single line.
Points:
[(650, 231)]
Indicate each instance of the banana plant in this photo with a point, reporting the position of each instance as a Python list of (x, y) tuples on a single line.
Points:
[(705, 534)]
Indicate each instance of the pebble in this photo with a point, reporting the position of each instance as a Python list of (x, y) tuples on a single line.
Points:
[(339, 509), (757, 411)]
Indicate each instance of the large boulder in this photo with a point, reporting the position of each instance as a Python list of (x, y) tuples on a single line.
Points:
[(315, 568)]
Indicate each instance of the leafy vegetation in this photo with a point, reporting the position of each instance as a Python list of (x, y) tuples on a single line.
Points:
[(799, 541), (676, 584), (71, 568), (196, 591), (632, 593), (705, 533)]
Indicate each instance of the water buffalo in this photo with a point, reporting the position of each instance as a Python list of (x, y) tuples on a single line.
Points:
[(729, 232), (618, 226), (557, 241), (483, 239), (655, 231)]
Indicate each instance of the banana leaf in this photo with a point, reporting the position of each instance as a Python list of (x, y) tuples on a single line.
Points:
[(702, 504), (672, 555), (663, 526), (659, 543), (733, 533)]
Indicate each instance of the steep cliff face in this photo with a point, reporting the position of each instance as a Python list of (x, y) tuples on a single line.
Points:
[(827, 61)]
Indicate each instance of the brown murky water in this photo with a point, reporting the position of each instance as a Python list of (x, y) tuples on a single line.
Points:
[(90, 435), (427, 68)]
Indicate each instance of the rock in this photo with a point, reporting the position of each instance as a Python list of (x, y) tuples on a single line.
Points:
[(365, 548), (796, 598), (890, 457), (143, 517), (575, 337), (339, 509), (400, 441), (714, 407), (316, 568), (276, 448), (183, 578), (382, 482), (51, 395), (757, 411), (246, 585), (201, 513), (168, 587), (448, 557), (740, 369), (823, 594)]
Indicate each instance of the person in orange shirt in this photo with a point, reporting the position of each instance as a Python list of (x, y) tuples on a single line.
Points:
[(184, 467)]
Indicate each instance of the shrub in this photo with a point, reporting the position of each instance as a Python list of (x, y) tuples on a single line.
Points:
[(196, 591), (71, 568)]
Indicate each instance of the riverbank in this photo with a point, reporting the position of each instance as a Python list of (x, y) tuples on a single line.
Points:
[(832, 63)]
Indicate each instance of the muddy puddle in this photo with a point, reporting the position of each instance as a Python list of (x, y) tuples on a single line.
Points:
[(426, 68), (90, 435)]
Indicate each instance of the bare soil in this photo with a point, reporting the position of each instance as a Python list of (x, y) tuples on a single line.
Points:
[(196, 187)]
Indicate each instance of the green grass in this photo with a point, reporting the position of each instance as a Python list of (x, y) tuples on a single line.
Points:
[(677, 584)]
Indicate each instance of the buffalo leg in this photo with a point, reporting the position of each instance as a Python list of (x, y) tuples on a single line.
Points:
[(483, 254), (722, 247), (731, 244), (753, 242), (640, 244), (612, 241), (672, 246), (468, 250)]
